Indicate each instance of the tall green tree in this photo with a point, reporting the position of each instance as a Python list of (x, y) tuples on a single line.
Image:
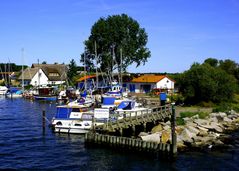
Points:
[(212, 61), (113, 35), (72, 70), (229, 66)]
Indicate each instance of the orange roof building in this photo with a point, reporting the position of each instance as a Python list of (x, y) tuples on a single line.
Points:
[(147, 82)]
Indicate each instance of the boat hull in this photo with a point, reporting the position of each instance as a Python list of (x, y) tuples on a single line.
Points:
[(45, 98)]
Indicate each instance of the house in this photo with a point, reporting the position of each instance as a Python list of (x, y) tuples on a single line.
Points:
[(44, 74), (136, 83), (147, 82)]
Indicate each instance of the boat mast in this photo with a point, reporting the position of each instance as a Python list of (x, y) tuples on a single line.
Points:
[(38, 73), (113, 46), (121, 79), (22, 69), (85, 69), (96, 57)]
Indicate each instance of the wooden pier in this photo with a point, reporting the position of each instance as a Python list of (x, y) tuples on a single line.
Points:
[(127, 143), (124, 119), (130, 120)]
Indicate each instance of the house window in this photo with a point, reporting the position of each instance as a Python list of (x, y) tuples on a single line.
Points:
[(53, 74)]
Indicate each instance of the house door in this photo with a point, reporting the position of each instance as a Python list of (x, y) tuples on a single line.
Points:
[(132, 87), (146, 88)]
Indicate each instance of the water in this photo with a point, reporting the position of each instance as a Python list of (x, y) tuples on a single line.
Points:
[(23, 146)]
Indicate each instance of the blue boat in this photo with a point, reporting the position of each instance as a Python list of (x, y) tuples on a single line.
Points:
[(46, 94)]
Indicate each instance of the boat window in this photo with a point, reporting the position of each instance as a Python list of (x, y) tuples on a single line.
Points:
[(87, 116), (58, 123), (75, 110), (87, 124), (78, 125)]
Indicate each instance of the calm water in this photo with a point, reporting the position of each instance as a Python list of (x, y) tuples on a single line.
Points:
[(24, 147)]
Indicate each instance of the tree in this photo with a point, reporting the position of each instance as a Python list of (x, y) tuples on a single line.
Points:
[(212, 61), (113, 34), (229, 66), (204, 83), (44, 62), (72, 70)]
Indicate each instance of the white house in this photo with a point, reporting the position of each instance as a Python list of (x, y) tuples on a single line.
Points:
[(146, 83), (44, 74)]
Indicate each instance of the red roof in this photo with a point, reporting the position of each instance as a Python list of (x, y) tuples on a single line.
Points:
[(85, 78), (149, 78)]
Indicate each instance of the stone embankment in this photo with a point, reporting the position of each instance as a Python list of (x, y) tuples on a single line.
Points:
[(199, 133)]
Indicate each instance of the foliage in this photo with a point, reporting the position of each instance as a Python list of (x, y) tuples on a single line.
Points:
[(113, 34), (204, 83), (180, 121), (72, 71), (10, 67), (177, 98), (226, 107), (212, 61)]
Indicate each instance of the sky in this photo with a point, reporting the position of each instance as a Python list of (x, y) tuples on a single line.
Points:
[(180, 32)]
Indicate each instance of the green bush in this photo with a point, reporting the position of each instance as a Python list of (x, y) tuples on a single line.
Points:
[(223, 107), (180, 121)]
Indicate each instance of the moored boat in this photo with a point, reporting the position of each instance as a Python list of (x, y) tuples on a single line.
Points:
[(3, 90)]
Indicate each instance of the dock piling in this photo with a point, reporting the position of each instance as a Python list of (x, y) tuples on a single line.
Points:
[(43, 121)]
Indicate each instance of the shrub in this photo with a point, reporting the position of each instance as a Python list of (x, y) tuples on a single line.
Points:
[(180, 121)]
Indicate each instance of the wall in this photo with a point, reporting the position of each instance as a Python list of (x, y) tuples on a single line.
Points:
[(43, 79)]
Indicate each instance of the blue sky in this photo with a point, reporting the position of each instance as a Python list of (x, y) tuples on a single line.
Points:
[(180, 32)]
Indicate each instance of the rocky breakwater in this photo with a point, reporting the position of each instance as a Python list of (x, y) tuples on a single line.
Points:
[(209, 132)]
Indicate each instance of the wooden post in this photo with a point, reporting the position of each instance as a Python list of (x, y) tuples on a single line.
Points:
[(133, 130), (43, 121), (93, 124), (173, 133), (121, 132), (145, 126)]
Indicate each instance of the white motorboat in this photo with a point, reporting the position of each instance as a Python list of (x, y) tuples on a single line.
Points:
[(130, 108), (78, 119), (3, 90)]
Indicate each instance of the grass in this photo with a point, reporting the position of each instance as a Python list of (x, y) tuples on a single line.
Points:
[(189, 114)]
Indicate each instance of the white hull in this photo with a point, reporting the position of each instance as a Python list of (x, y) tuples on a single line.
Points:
[(72, 126), (3, 90), (70, 130), (13, 95)]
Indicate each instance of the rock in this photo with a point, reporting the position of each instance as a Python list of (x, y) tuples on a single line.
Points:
[(218, 142), (165, 137), (204, 140), (226, 119), (152, 137), (187, 136), (191, 124), (157, 128), (195, 117), (166, 127), (181, 146), (219, 115), (179, 129), (187, 119), (143, 134), (236, 120), (213, 119), (201, 122), (216, 127), (192, 129)]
